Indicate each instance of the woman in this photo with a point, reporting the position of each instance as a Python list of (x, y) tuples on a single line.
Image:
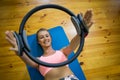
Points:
[(44, 39)]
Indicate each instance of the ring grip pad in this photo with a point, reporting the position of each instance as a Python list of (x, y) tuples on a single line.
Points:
[(17, 36), (82, 25)]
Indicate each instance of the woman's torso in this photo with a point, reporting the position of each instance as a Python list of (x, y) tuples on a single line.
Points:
[(57, 73)]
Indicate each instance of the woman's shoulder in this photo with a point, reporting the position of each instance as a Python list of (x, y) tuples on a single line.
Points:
[(59, 51)]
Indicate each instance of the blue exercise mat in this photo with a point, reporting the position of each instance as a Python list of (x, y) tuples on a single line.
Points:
[(59, 40)]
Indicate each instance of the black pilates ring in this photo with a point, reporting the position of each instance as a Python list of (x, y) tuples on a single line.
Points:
[(22, 41)]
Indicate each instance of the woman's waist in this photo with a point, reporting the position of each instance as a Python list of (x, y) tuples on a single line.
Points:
[(57, 73)]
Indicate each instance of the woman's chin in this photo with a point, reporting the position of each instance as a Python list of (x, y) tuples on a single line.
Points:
[(47, 46)]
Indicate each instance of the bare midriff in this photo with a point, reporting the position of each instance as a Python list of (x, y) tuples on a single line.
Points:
[(57, 73)]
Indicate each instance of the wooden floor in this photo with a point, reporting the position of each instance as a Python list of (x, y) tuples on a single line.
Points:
[(101, 54)]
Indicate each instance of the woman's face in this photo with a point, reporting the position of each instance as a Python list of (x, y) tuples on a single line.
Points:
[(44, 38)]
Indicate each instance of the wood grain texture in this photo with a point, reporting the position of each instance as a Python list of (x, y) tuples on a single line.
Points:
[(101, 54)]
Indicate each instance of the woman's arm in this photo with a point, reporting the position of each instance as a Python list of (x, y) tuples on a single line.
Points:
[(87, 18), (28, 61), (72, 46), (11, 39)]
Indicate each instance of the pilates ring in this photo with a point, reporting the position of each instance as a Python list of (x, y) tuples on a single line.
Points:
[(22, 40)]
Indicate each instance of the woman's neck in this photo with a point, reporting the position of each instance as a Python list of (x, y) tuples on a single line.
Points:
[(48, 51)]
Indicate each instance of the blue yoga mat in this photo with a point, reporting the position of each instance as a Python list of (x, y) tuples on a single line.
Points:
[(59, 40)]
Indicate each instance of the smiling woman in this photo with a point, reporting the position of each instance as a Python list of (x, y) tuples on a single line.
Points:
[(82, 25)]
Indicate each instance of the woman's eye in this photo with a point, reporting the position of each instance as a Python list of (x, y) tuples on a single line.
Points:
[(41, 37), (47, 35)]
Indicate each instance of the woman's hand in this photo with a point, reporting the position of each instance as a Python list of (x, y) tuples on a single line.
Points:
[(12, 40), (88, 18)]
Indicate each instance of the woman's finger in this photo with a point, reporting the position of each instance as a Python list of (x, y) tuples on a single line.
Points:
[(8, 34), (88, 16), (13, 49), (11, 35), (90, 24), (10, 41)]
